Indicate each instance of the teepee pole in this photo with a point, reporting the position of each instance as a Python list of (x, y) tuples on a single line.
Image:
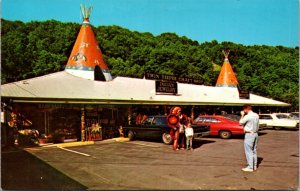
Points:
[(86, 10), (226, 53)]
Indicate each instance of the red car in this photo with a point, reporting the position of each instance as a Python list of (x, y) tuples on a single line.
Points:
[(223, 126)]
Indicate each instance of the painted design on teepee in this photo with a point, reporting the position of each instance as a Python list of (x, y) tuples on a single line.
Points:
[(84, 45), (78, 57), (226, 77), (86, 54)]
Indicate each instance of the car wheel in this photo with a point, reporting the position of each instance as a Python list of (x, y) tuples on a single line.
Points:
[(131, 135), (225, 134), (167, 139), (277, 128)]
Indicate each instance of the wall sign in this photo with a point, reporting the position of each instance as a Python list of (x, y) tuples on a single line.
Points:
[(172, 78), (51, 106), (166, 87)]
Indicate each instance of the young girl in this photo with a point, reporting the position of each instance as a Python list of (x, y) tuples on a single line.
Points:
[(189, 132)]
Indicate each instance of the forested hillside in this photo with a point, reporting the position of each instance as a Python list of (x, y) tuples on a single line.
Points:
[(38, 48)]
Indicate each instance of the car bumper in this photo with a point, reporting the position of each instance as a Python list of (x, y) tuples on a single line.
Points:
[(262, 127), (291, 127), (284, 126)]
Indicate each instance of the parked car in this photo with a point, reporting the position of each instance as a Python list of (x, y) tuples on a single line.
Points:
[(295, 114), (223, 126), (279, 121), (156, 127), (289, 116)]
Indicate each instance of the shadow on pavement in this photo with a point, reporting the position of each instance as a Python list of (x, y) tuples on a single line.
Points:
[(199, 143), (262, 133), (243, 136), (259, 160), (21, 170), (286, 129)]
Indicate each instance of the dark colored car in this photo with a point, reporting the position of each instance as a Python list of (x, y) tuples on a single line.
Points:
[(156, 127), (223, 126)]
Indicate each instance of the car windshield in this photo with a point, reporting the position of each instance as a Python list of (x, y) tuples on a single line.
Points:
[(265, 117), (198, 119), (159, 121), (294, 116), (206, 119), (148, 121), (155, 121), (283, 116)]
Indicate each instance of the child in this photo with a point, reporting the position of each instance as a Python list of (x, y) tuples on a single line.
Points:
[(189, 132)]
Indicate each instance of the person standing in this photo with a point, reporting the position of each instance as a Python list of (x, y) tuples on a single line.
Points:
[(189, 132), (182, 125), (172, 121), (177, 120), (250, 121)]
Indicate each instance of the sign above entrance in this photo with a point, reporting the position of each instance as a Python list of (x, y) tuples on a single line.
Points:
[(166, 87), (172, 78), (244, 94)]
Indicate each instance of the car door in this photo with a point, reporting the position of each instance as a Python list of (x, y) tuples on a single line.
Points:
[(158, 126), (266, 119), (153, 127), (144, 130), (283, 120), (213, 123)]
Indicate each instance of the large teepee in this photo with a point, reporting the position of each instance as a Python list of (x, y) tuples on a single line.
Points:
[(86, 59), (226, 77)]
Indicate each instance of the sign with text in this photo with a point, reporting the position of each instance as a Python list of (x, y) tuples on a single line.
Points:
[(166, 87), (172, 78), (244, 94)]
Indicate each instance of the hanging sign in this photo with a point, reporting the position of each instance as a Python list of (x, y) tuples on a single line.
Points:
[(166, 87), (244, 94), (172, 78)]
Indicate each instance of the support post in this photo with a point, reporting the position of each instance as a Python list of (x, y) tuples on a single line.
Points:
[(129, 115), (45, 120), (82, 124), (4, 129), (192, 114), (165, 110)]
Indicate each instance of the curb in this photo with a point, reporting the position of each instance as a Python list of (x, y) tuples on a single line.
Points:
[(72, 144), (122, 139)]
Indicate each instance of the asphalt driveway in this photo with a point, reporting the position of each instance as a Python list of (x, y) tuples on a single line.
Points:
[(21, 170), (213, 164)]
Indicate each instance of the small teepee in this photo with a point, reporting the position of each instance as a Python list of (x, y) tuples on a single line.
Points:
[(86, 58), (227, 77)]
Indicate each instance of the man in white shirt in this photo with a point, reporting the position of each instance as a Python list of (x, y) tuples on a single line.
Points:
[(250, 121)]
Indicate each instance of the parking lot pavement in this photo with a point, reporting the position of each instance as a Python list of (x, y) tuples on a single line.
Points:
[(21, 170), (213, 164)]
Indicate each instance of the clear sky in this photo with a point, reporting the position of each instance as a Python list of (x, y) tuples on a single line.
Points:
[(269, 22)]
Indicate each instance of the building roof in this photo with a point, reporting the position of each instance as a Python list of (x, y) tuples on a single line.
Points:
[(62, 87)]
